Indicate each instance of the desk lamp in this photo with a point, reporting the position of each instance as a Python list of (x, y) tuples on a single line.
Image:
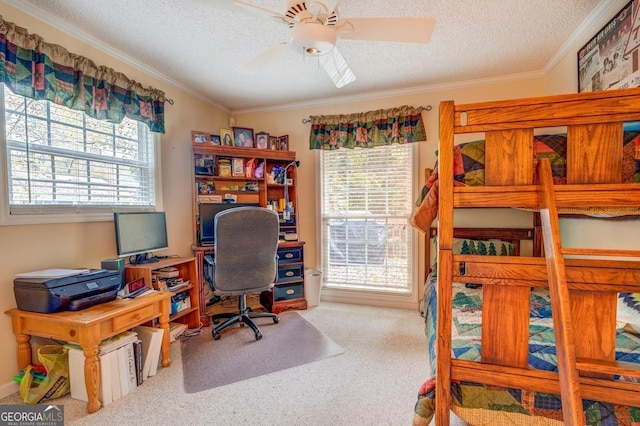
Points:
[(286, 214)]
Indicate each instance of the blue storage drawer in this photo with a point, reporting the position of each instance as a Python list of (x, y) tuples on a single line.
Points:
[(290, 273), (290, 255), (289, 291)]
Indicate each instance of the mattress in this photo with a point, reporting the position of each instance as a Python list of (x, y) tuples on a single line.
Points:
[(480, 404)]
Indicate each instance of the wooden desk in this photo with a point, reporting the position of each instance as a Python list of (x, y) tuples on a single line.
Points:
[(88, 328)]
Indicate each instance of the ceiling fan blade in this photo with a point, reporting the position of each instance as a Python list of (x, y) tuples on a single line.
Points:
[(245, 8), (337, 68), (404, 30), (264, 58), (328, 6)]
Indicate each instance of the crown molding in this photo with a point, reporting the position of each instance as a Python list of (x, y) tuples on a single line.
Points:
[(78, 33)]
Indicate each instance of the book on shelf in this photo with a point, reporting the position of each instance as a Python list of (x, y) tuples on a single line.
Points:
[(112, 357), (175, 330)]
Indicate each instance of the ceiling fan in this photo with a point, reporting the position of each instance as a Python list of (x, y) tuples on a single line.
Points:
[(314, 27)]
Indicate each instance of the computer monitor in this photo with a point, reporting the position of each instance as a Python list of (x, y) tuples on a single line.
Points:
[(207, 212), (139, 233)]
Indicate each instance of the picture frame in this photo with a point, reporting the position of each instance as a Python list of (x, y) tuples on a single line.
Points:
[(283, 143), (237, 167), (605, 61), (214, 139), (243, 137), (262, 140), (273, 142), (199, 137), (226, 136)]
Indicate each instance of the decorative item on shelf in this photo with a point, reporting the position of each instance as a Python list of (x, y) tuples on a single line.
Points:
[(226, 136), (252, 186), (210, 198), (237, 167), (278, 174), (273, 142), (224, 167), (250, 168), (243, 137), (206, 187), (259, 173), (204, 164), (262, 140), (283, 143), (214, 139), (199, 137)]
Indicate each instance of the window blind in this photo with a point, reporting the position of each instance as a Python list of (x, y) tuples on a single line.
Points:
[(62, 161), (366, 208)]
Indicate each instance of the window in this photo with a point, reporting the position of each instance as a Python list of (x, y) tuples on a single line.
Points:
[(66, 166), (366, 205)]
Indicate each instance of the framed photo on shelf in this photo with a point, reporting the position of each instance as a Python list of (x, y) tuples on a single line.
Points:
[(283, 143), (237, 167), (199, 137), (273, 142), (606, 61), (262, 140), (243, 136), (214, 139), (226, 137)]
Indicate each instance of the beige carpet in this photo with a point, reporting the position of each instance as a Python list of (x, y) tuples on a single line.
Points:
[(237, 356)]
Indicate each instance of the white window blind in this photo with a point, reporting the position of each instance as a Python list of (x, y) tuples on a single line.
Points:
[(60, 161), (366, 208)]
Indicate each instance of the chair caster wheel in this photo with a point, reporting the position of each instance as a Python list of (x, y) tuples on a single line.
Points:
[(258, 335), (216, 321), (216, 336), (276, 320), (241, 324)]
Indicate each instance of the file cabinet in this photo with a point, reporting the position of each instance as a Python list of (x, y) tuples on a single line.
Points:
[(288, 290)]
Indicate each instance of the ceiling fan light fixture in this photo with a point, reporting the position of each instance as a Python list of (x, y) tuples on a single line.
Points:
[(312, 38)]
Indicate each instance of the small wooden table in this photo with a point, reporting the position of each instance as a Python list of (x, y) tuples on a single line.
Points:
[(88, 328)]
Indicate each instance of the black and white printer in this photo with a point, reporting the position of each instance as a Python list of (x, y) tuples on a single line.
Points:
[(55, 290)]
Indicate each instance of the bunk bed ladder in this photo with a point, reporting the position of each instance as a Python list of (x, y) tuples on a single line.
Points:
[(563, 327)]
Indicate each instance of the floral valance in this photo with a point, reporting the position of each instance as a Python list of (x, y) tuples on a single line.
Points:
[(38, 70), (368, 129)]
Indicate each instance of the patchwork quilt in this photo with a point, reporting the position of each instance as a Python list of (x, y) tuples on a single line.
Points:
[(469, 160), (482, 404)]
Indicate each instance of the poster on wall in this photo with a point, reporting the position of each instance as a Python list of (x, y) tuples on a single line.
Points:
[(610, 59)]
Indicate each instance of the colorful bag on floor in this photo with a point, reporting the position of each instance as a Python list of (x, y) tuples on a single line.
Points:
[(55, 359)]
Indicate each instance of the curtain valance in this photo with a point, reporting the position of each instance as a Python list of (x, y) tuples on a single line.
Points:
[(368, 129), (38, 70)]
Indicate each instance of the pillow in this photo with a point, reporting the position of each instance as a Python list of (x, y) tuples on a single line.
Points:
[(629, 312), (491, 247)]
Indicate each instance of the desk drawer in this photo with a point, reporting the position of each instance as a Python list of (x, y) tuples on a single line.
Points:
[(290, 255), (290, 273), (289, 291), (131, 319)]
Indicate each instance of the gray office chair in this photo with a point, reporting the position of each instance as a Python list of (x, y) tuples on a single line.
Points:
[(245, 261)]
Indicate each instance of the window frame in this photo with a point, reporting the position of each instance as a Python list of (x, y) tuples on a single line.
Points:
[(376, 297), (61, 213)]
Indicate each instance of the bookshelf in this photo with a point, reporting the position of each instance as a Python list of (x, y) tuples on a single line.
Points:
[(188, 271), (247, 176)]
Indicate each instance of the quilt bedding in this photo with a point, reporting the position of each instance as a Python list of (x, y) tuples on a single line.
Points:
[(468, 169), (479, 404)]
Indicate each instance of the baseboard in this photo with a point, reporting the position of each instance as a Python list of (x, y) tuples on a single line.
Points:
[(369, 298), (8, 389)]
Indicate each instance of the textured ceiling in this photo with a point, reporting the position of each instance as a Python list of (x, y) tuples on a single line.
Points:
[(197, 46)]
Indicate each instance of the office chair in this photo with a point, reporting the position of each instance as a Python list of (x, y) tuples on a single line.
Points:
[(245, 261)]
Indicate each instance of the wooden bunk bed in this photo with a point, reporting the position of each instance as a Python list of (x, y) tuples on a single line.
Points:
[(583, 293)]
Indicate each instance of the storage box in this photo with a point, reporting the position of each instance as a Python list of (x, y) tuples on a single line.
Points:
[(180, 302)]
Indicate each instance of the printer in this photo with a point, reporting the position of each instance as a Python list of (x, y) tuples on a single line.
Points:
[(74, 292)]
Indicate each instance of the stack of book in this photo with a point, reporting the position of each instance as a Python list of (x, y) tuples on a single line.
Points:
[(125, 362)]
